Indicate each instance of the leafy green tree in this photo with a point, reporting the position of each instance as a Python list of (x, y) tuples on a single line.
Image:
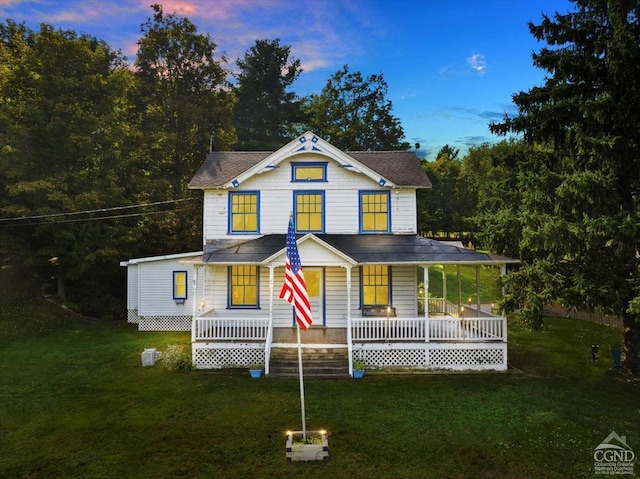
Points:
[(353, 113), (265, 109), (489, 173), (578, 220), (186, 109), (64, 118), (443, 208)]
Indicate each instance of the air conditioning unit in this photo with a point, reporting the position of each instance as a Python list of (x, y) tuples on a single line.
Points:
[(149, 357)]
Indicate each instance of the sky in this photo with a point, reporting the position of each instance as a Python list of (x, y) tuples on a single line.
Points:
[(451, 66)]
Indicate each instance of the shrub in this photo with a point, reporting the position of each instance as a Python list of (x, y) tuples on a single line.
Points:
[(177, 358)]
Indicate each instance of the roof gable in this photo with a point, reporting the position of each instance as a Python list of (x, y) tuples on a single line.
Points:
[(228, 169)]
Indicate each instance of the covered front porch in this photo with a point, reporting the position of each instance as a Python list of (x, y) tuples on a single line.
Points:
[(470, 340), (409, 332)]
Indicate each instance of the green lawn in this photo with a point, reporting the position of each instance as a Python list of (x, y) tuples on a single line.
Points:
[(489, 290), (76, 402)]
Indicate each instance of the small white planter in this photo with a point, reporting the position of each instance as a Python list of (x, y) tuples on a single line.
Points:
[(307, 452)]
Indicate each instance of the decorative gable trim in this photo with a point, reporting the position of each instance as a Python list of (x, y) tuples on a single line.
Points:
[(279, 257), (309, 143)]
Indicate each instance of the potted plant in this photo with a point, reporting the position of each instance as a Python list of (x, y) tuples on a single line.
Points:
[(255, 370), (358, 368)]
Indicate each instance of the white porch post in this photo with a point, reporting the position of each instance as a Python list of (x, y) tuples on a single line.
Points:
[(349, 335), (478, 290), (444, 282), (425, 280), (503, 271), (427, 331), (195, 303), (269, 339), (459, 291)]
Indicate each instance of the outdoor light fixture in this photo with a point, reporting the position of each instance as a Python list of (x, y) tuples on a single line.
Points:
[(382, 182), (235, 183)]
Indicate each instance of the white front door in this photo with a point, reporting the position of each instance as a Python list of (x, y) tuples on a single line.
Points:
[(314, 278)]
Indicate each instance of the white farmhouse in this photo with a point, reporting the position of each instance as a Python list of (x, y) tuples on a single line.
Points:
[(356, 223)]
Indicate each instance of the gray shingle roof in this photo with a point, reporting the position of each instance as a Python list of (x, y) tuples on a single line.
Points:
[(401, 167), (364, 249)]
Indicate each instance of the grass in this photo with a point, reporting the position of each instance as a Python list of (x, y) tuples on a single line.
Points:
[(489, 290), (76, 402)]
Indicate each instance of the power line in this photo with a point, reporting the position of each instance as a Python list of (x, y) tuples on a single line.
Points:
[(101, 210)]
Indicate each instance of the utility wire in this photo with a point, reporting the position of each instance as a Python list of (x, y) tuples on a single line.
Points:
[(76, 220), (101, 210)]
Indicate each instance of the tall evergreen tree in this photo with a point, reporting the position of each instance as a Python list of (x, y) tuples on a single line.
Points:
[(353, 113), (266, 111), (579, 215)]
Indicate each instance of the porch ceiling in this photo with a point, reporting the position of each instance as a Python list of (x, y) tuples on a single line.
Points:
[(363, 249)]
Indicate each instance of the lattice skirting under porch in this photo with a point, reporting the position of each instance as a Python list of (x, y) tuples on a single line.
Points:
[(216, 356), (132, 316), (452, 356), (159, 323)]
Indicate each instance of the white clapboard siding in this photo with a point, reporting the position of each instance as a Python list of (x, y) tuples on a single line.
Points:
[(155, 283), (132, 287), (276, 201), (403, 290)]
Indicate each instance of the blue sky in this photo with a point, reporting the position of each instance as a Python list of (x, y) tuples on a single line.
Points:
[(451, 66)]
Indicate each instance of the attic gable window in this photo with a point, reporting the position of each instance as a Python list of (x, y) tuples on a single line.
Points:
[(309, 172), (244, 212), (374, 212)]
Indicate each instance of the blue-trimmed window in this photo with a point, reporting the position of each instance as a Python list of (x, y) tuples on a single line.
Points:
[(179, 286), (244, 212), (375, 212), (309, 172), (244, 281), (375, 285), (308, 210)]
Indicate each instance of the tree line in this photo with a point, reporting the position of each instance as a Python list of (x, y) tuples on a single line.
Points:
[(82, 133), (96, 154)]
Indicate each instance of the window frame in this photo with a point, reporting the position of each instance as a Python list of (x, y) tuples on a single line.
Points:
[(230, 287), (180, 298), (389, 286), (233, 194), (321, 193), (361, 195), (309, 164)]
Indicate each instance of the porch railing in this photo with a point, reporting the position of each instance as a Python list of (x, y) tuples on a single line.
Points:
[(447, 328), (431, 329), (230, 329), (441, 306)]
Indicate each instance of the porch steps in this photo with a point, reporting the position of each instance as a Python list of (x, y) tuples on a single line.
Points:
[(316, 363)]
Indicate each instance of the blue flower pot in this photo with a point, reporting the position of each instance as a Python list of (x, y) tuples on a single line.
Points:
[(358, 373), (255, 373)]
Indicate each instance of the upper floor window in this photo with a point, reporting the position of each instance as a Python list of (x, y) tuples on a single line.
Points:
[(374, 212), (180, 286), (243, 286), (244, 212), (309, 211), (375, 284), (309, 172)]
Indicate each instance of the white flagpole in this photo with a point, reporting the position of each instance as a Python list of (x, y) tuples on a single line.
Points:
[(304, 422)]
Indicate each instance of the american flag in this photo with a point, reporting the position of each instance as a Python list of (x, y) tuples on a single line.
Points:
[(294, 289)]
